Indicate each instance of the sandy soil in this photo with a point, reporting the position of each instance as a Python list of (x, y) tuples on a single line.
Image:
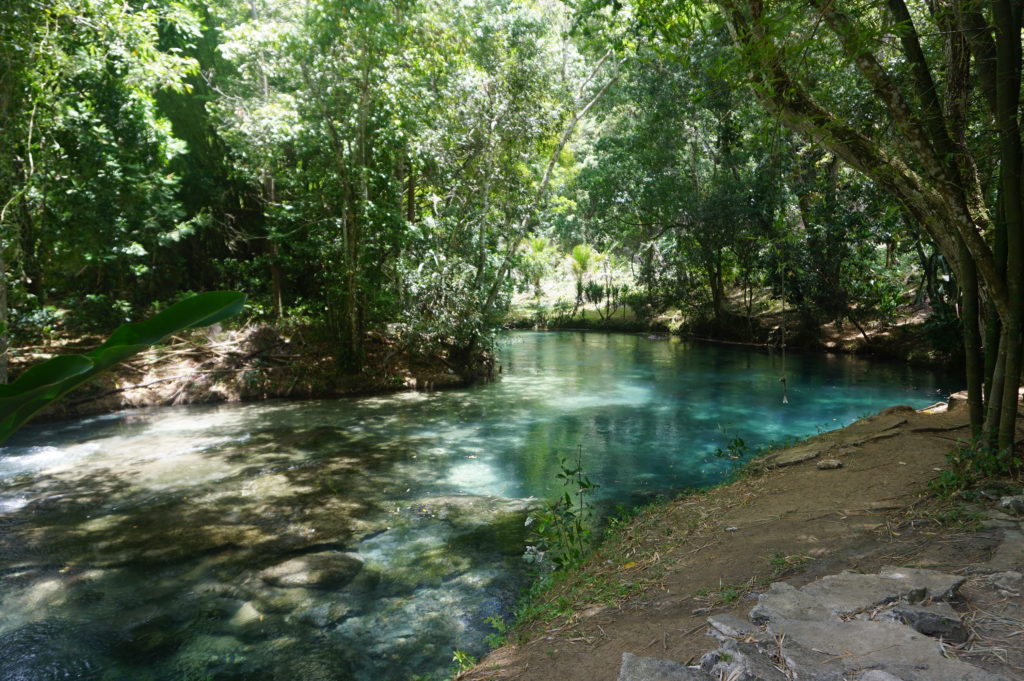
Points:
[(713, 552)]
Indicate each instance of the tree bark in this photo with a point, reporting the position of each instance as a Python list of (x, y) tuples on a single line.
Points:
[(1008, 84)]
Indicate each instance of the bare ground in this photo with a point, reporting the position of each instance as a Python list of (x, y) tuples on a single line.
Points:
[(713, 552)]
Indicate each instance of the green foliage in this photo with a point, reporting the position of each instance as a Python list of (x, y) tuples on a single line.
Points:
[(783, 564), (48, 381), (97, 312), (463, 661), (562, 531), (969, 465), (498, 637)]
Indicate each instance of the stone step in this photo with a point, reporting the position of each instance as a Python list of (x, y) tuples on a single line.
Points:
[(635, 668), (891, 626)]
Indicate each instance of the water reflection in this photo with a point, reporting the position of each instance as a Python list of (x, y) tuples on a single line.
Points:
[(398, 519)]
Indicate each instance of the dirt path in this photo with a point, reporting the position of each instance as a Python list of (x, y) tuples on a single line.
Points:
[(710, 553)]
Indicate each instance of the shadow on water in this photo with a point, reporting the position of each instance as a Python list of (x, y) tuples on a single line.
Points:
[(144, 570), (360, 539)]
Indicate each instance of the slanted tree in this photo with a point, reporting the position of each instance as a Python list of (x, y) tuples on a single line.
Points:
[(885, 87)]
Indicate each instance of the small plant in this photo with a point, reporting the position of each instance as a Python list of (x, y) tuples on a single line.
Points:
[(562, 531), (734, 451), (731, 592), (969, 464), (958, 515), (498, 637), (462, 661), (725, 593), (782, 563)]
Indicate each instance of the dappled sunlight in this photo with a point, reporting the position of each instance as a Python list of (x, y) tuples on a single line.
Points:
[(159, 527), (478, 477)]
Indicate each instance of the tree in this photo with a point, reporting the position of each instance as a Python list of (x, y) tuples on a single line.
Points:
[(893, 101), (538, 256), (87, 192)]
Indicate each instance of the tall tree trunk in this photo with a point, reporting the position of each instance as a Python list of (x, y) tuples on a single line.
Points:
[(269, 191), (1008, 83), (993, 325), (270, 195), (968, 284)]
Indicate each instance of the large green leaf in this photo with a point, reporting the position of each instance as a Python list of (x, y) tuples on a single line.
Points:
[(54, 378)]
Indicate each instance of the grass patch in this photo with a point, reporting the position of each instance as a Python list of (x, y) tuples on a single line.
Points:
[(625, 562), (782, 564)]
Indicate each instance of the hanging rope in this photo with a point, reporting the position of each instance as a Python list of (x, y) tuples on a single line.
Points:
[(785, 384)]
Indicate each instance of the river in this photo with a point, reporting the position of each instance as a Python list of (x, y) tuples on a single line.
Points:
[(366, 538)]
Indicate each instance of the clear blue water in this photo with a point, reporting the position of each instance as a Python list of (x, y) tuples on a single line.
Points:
[(150, 544)]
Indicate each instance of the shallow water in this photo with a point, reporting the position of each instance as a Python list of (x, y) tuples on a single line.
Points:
[(365, 538)]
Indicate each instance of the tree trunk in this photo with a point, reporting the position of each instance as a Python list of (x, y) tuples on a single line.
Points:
[(968, 284), (1007, 25)]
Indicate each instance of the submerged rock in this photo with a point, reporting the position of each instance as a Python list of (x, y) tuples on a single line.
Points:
[(402, 560), (326, 570), (156, 636)]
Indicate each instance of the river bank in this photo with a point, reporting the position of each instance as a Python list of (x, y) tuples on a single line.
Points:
[(911, 337), (649, 589), (253, 363)]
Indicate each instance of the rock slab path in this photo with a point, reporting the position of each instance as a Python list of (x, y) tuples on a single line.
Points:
[(901, 624)]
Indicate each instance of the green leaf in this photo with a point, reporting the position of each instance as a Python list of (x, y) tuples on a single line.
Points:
[(47, 382)]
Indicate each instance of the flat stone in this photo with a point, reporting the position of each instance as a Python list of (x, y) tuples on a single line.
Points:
[(1009, 582), (829, 464), (850, 592), (636, 668), (836, 650), (794, 455), (1013, 505), (739, 661), (325, 570), (936, 620), (1009, 555), (1000, 523), (937, 585), (877, 675), (731, 626), (784, 602)]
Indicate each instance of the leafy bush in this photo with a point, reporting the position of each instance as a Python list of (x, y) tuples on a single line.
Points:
[(97, 312), (36, 322), (969, 465)]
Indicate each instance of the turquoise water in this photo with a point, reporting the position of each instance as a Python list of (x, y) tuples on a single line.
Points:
[(365, 538)]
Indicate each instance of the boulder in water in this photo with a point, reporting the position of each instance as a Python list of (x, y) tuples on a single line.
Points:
[(325, 570)]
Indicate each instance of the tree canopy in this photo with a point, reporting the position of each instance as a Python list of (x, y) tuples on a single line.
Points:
[(406, 166)]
